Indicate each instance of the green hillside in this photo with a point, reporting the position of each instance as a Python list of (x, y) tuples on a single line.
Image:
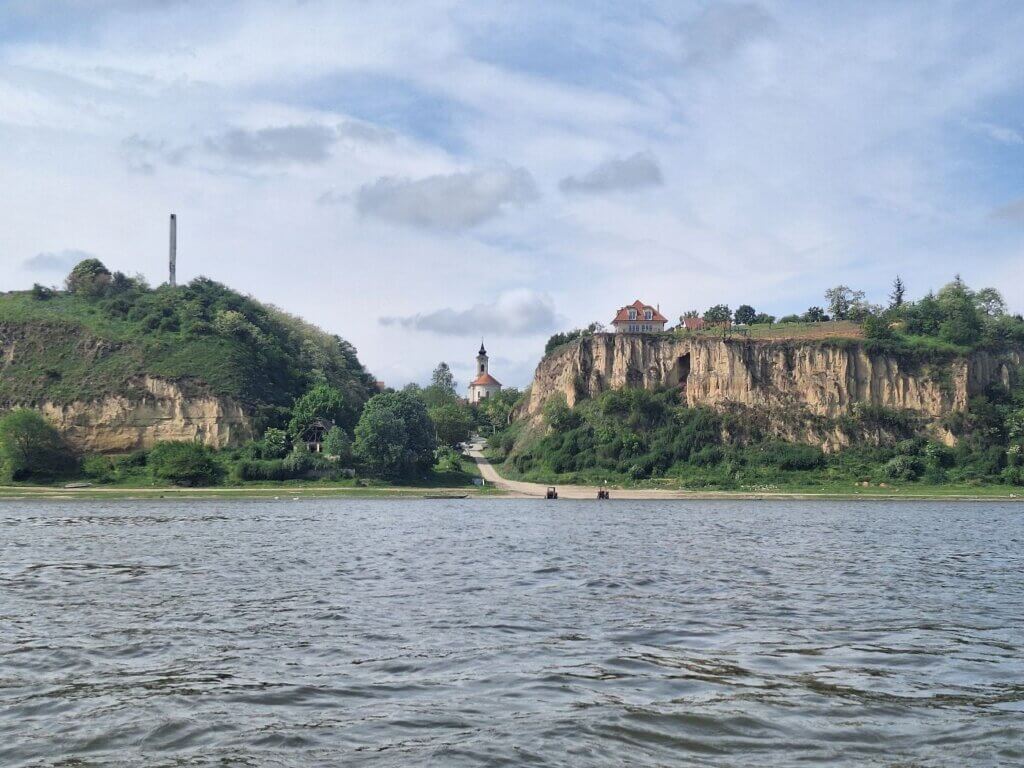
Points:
[(105, 331)]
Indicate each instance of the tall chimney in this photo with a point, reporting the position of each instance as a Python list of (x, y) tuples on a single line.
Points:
[(174, 251)]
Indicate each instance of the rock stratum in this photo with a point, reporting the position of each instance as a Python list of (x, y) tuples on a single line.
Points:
[(793, 389), (156, 410)]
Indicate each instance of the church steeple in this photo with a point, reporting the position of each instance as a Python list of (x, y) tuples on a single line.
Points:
[(481, 360)]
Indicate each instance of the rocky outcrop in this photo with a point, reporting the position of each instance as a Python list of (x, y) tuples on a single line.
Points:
[(156, 410), (796, 388)]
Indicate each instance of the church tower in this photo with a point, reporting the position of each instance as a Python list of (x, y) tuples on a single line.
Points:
[(484, 385), (481, 360)]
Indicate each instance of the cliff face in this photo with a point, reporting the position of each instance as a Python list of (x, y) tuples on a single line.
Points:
[(794, 387), (157, 410)]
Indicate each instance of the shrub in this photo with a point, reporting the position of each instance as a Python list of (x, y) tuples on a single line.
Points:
[(98, 468), (88, 277), (31, 448), (184, 463)]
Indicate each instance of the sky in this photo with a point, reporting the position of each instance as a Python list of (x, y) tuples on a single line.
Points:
[(414, 176)]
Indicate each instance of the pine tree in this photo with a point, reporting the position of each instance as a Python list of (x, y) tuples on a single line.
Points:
[(896, 297)]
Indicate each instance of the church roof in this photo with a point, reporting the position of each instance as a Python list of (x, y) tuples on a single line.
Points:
[(483, 380), (482, 350), (622, 316)]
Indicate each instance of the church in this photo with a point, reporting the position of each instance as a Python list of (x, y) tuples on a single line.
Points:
[(484, 385)]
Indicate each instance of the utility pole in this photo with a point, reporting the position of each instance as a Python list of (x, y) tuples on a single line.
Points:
[(174, 251)]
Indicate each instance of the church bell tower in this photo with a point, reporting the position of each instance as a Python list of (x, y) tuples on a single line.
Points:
[(481, 360)]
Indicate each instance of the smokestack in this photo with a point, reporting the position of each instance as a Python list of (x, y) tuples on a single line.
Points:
[(174, 251)]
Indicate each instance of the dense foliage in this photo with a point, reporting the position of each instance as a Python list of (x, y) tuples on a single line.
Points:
[(395, 437), (184, 463), (106, 331), (636, 435), (30, 448)]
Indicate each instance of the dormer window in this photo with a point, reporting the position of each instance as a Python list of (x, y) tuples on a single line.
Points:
[(632, 314), (648, 314)]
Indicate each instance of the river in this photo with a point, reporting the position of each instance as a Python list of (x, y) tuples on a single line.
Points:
[(511, 632)]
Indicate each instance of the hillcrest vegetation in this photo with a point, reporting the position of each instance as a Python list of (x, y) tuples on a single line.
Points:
[(319, 413), (651, 438)]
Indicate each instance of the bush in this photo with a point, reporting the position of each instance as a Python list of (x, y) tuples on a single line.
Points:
[(89, 278), (31, 448), (98, 468), (188, 464)]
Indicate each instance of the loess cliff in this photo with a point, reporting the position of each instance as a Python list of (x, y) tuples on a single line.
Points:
[(795, 390)]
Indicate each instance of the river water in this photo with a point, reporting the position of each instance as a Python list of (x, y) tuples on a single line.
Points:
[(501, 632)]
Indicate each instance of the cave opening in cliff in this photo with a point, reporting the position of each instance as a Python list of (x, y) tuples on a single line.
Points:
[(681, 371)]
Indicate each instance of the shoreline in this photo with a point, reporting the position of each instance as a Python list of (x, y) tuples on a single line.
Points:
[(498, 488)]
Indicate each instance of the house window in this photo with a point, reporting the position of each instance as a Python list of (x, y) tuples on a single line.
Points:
[(648, 314), (632, 314)]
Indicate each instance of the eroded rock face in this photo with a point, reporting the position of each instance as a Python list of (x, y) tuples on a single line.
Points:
[(794, 385), (117, 424)]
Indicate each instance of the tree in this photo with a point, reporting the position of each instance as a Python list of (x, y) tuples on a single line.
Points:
[(762, 318), (184, 463), (896, 297), (497, 408), (275, 443), (961, 322), (814, 315), (443, 379), (394, 436), (990, 302), (719, 314), (88, 277), (31, 447), (745, 314), (337, 443), (451, 423), (321, 402), (689, 314), (843, 301), (877, 327)]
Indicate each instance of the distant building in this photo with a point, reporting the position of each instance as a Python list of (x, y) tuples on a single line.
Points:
[(484, 385), (693, 323), (315, 434), (639, 318)]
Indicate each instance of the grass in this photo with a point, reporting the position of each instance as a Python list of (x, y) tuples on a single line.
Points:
[(844, 329)]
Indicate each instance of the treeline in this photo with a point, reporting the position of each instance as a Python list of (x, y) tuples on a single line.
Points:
[(635, 435), (404, 436)]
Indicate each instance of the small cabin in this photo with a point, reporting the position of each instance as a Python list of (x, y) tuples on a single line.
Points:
[(314, 435)]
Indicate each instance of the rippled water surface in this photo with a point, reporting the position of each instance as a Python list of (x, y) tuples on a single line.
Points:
[(498, 632)]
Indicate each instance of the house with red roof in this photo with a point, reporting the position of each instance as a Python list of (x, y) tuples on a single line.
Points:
[(639, 318), (484, 385)]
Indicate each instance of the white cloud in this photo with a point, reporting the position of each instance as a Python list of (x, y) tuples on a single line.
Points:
[(450, 201), (515, 313), (625, 173)]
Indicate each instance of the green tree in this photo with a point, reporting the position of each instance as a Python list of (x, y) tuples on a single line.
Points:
[(961, 322), (88, 277), (762, 318), (31, 447), (718, 315), (394, 436), (877, 327), (844, 302), (496, 409), (321, 402), (451, 423), (184, 463), (443, 380), (745, 314), (275, 443), (990, 302), (337, 443), (898, 290), (814, 315)]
